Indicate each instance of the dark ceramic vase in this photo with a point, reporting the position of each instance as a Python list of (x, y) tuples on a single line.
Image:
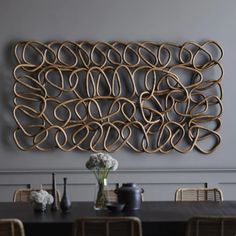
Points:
[(39, 207), (130, 195), (65, 201)]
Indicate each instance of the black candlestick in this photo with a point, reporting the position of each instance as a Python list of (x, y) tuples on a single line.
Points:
[(54, 206)]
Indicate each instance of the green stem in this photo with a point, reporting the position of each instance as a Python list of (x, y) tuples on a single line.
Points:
[(101, 175)]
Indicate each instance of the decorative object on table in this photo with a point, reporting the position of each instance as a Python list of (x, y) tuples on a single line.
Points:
[(65, 201), (130, 195), (115, 206), (40, 200), (101, 164), (148, 96), (54, 206)]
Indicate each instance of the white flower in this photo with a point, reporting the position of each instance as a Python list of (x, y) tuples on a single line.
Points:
[(101, 161), (49, 199), (114, 164), (41, 196)]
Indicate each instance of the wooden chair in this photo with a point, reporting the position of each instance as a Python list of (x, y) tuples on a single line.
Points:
[(198, 194), (111, 196), (211, 226), (108, 226), (23, 194), (11, 227)]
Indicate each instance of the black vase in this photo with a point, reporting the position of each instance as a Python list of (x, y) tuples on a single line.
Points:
[(54, 206), (65, 201)]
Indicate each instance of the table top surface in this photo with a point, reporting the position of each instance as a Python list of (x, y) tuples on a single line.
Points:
[(149, 212)]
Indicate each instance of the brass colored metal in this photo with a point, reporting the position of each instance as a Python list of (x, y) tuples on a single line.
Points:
[(99, 96)]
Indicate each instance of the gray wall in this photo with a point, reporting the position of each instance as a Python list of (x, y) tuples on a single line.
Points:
[(159, 20)]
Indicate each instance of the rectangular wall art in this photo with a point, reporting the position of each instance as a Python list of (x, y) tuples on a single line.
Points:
[(99, 96)]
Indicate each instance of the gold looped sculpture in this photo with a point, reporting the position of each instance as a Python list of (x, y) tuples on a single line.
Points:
[(102, 96)]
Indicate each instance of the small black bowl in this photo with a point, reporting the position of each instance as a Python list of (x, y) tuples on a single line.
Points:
[(115, 207)]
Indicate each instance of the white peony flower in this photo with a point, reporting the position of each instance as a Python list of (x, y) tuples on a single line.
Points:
[(41, 196), (101, 161), (49, 199), (114, 164)]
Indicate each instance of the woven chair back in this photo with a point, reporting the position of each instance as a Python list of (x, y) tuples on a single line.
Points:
[(108, 226), (11, 227), (198, 194), (211, 226), (23, 195)]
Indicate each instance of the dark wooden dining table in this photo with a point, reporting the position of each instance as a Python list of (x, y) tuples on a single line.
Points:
[(158, 218)]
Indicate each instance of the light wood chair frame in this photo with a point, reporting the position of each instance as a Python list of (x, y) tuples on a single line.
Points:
[(134, 221), (112, 196), (180, 193), (194, 226), (27, 191), (13, 223)]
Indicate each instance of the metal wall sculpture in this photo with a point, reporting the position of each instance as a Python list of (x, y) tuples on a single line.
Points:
[(98, 96)]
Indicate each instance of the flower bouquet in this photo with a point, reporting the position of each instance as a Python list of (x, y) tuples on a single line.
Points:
[(40, 199), (101, 164)]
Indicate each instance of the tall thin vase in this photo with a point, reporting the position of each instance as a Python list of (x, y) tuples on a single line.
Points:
[(65, 201), (54, 206), (100, 196)]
